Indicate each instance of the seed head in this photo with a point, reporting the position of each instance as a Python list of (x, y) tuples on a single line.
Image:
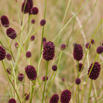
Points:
[(65, 96), (54, 67), (31, 72), (8, 56), (78, 81), (32, 38), (63, 46), (80, 66), (8, 70), (100, 49), (33, 21), (92, 41), (28, 54), (25, 7), (20, 77), (88, 46), (42, 22), (78, 52), (94, 71), (43, 78), (48, 51), (54, 98), (27, 96), (5, 21), (11, 33), (2, 53), (12, 100), (16, 45), (34, 10)]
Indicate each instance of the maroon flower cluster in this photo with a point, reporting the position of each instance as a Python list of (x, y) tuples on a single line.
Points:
[(80, 67), (20, 77), (94, 71), (65, 96), (5, 21), (54, 98), (2, 53), (11, 33), (78, 81), (31, 72), (78, 52), (43, 78), (48, 51), (12, 100), (100, 49), (54, 67), (27, 96), (25, 7), (88, 45)]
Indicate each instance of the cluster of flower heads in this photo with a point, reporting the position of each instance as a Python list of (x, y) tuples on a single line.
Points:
[(94, 69), (64, 98)]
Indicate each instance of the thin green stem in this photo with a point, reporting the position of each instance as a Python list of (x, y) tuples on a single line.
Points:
[(45, 82), (90, 90), (55, 73), (11, 82), (70, 21), (88, 77), (84, 24)]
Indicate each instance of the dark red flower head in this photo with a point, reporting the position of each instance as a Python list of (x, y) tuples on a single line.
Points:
[(11, 33), (43, 78), (65, 96), (20, 77), (32, 38), (100, 49), (25, 7), (30, 2), (88, 46), (54, 98), (92, 41), (12, 100), (78, 81), (34, 11), (78, 52), (63, 46), (80, 66), (5, 21), (48, 51), (42, 22), (94, 74), (28, 54), (8, 56), (16, 45), (8, 71), (33, 21), (2, 53), (27, 96), (54, 67), (31, 72)]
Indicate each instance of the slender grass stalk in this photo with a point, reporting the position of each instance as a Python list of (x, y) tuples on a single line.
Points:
[(74, 23), (11, 83), (69, 1), (98, 100), (55, 73), (85, 23), (32, 90), (69, 21), (45, 81), (97, 93), (28, 37), (88, 77), (75, 94), (90, 91)]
